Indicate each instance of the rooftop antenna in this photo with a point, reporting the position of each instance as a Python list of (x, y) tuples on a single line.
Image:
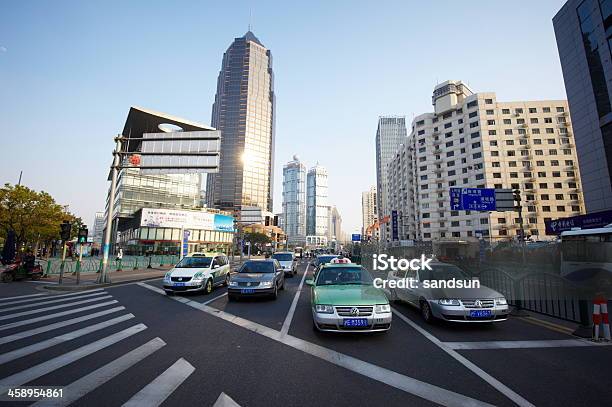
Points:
[(250, 18)]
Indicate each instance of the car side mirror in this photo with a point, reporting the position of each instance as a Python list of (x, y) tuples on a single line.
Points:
[(215, 266), (309, 282)]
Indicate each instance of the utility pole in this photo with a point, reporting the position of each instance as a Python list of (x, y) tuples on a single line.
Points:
[(519, 209), (104, 278), (20, 174)]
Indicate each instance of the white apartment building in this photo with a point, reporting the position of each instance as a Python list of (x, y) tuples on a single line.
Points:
[(369, 213), (316, 201), (472, 140)]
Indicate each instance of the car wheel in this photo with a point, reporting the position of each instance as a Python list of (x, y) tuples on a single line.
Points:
[(208, 286), (426, 312), (282, 287), (295, 272), (7, 277), (275, 293), (227, 279)]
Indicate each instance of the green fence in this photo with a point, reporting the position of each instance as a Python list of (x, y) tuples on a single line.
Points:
[(94, 264)]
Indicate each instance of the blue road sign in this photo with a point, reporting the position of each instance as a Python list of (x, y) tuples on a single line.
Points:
[(472, 199), (356, 237)]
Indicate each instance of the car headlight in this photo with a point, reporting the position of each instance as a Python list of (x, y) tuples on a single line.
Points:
[(324, 309), (233, 283), (448, 301), (167, 275), (501, 301), (382, 308), (266, 284), (198, 276)]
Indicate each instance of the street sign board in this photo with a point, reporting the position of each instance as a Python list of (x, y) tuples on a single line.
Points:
[(185, 245), (356, 237), (394, 226), (472, 199), (589, 221)]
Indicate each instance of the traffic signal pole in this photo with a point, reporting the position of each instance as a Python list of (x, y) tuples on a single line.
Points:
[(104, 277)]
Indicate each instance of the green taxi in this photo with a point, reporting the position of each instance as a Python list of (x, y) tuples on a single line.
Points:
[(344, 299)]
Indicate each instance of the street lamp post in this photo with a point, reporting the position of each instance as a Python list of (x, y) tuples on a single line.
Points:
[(104, 277)]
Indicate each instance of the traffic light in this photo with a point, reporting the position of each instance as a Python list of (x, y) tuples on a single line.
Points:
[(82, 236), (65, 229)]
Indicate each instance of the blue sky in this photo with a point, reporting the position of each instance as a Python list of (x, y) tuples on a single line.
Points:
[(70, 70)]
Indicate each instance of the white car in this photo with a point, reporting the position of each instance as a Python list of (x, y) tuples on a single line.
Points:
[(198, 273), (287, 261)]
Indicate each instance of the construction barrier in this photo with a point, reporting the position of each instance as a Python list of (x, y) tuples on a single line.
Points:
[(600, 317)]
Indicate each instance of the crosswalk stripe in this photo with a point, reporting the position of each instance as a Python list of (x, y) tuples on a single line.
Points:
[(47, 328), (95, 379), (44, 368), (28, 350), (56, 315), (21, 296), (154, 393), (47, 296), (36, 311), (54, 301)]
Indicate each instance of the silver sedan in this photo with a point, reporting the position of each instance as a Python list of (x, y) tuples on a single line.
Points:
[(425, 290)]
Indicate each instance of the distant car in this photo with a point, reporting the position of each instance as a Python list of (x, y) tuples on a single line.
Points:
[(323, 259), (481, 304), (344, 299), (287, 261), (257, 278), (198, 273)]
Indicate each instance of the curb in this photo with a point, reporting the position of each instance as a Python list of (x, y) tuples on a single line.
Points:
[(57, 287)]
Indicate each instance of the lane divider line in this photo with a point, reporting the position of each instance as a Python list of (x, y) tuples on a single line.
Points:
[(550, 325), (405, 383), (287, 323), (496, 384), (554, 343)]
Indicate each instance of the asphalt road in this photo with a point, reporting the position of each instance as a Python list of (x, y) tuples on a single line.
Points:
[(133, 344)]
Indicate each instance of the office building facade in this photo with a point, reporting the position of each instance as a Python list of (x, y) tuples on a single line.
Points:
[(391, 132), (369, 213), (316, 201), (294, 201), (583, 29), (473, 141), (244, 112), (334, 224)]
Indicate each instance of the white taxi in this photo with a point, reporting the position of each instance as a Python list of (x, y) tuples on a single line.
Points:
[(198, 273)]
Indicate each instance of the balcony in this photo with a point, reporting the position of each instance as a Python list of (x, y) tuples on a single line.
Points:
[(569, 168)]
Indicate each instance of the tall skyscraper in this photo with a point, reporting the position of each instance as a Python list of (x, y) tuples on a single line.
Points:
[(390, 134), (98, 228), (334, 224), (294, 201), (244, 112), (472, 140), (582, 29), (316, 201), (369, 212)]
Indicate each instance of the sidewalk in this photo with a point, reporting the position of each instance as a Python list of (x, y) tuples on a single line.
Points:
[(88, 281)]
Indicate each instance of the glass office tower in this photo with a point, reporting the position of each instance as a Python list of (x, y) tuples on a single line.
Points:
[(244, 112), (316, 202), (294, 201)]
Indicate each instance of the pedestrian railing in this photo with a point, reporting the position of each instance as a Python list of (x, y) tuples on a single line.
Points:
[(94, 264)]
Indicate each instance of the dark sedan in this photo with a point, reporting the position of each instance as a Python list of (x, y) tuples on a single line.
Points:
[(257, 278)]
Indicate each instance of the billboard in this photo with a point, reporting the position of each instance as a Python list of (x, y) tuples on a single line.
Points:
[(170, 218), (394, 226), (588, 221)]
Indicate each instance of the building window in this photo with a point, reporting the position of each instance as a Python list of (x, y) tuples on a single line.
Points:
[(491, 122), (488, 101), (492, 132), (533, 110), (473, 103), (489, 112)]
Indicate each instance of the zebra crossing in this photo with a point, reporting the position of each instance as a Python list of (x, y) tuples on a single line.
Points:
[(48, 323)]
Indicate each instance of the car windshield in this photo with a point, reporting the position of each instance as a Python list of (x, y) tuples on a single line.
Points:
[(325, 259), (344, 276), (283, 256), (194, 262), (443, 272), (257, 267)]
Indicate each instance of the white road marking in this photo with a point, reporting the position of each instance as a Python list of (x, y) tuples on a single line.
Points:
[(95, 379), (21, 296), (47, 328), (289, 317), (225, 401), (44, 368), (35, 347), (154, 393), (54, 301), (46, 296), (405, 383), (555, 343), (39, 310), (499, 386), (56, 315), (214, 299)]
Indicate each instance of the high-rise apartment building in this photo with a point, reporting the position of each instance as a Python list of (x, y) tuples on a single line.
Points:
[(244, 112), (316, 201), (369, 213), (582, 28), (390, 134), (294, 201), (471, 140)]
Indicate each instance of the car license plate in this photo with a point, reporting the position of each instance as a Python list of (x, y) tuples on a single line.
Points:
[(247, 291), (485, 313), (179, 284), (356, 322)]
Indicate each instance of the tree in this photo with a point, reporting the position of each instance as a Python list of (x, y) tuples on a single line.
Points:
[(257, 238), (32, 216)]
